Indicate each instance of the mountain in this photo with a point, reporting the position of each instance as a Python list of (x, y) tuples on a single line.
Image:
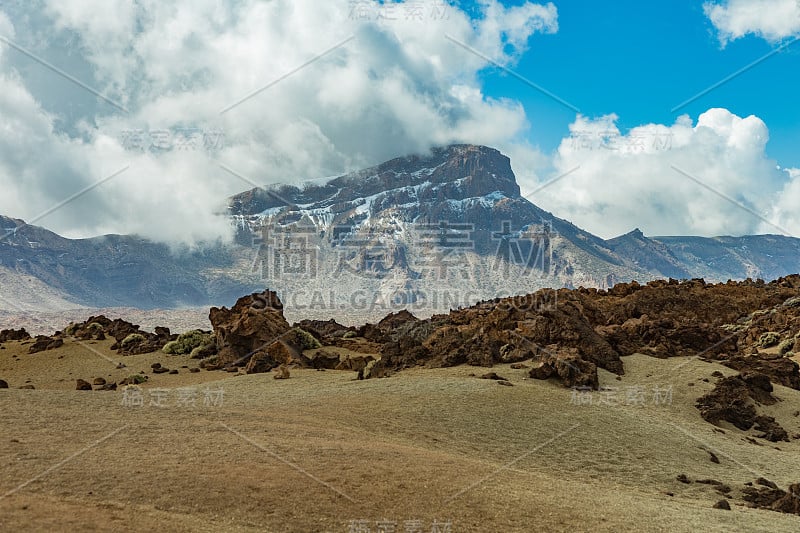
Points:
[(42, 270), (429, 232)]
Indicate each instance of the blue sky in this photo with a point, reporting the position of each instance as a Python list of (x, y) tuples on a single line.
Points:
[(641, 59), (303, 89)]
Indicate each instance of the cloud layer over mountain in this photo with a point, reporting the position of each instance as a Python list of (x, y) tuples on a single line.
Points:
[(206, 98)]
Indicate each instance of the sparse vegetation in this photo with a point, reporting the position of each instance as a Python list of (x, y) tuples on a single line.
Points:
[(786, 346), (769, 339), (305, 339), (349, 335), (133, 338), (792, 302), (187, 342)]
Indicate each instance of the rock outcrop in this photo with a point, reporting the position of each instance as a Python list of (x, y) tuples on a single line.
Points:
[(735, 400), (14, 335), (249, 330)]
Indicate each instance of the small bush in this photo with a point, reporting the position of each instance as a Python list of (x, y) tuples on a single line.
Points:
[(306, 340), (349, 335), (209, 362), (133, 338), (137, 379), (734, 328), (71, 329), (792, 302), (769, 339), (786, 346), (187, 342), (94, 327)]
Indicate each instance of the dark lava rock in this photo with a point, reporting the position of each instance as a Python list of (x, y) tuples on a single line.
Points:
[(14, 335), (722, 504), (83, 385), (255, 322), (44, 342), (734, 400)]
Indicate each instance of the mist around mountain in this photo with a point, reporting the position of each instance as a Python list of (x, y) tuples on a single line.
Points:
[(428, 232)]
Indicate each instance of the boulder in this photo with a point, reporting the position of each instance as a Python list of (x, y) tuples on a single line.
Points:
[(44, 342), (734, 399), (14, 335), (568, 367), (324, 359), (253, 324), (83, 385), (779, 370), (275, 354)]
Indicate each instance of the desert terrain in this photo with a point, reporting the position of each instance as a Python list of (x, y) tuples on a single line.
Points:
[(323, 451)]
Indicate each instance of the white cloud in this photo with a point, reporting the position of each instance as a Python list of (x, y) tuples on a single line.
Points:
[(636, 177), (772, 20), (785, 213), (399, 86)]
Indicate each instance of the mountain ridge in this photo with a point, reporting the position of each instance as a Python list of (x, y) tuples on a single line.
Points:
[(400, 211)]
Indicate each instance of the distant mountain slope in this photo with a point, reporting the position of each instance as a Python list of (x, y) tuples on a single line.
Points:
[(722, 258), (107, 271), (649, 254), (432, 232)]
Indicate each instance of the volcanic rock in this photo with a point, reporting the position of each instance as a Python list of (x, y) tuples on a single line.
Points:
[(272, 356), (83, 385), (44, 342), (251, 326), (734, 400), (569, 368), (324, 359), (14, 335)]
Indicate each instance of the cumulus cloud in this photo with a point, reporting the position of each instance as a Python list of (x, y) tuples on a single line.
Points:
[(688, 178), (397, 86), (772, 20), (784, 212)]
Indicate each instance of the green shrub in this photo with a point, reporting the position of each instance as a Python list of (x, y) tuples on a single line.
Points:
[(792, 302), (187, 342), (734, 328), (305, 339), (133, 338), (137, 379), (769, 339), (71, 329), (786, 346), (209, 361), (95, 326), (349, 335)]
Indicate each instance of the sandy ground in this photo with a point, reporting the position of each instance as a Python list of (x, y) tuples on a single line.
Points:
[(321, 451)]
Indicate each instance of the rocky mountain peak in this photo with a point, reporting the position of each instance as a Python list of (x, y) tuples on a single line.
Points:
[(455, 172)]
